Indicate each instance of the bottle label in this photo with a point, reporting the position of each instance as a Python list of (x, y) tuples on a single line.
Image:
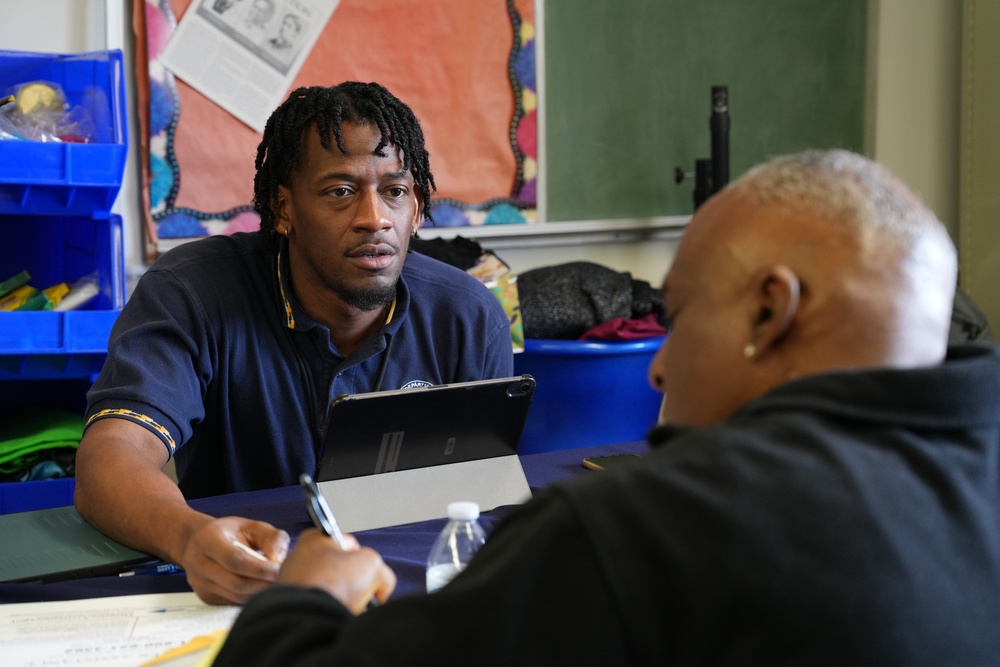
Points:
[(439, 575)]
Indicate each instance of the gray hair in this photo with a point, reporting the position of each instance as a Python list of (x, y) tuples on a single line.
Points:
[(852, 191)]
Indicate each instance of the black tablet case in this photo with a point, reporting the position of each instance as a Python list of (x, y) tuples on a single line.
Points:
[(56, 544)]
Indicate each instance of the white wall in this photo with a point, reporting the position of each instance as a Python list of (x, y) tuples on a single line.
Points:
[(913, 124), (52, 26), (646, 260), (917, 77), (979, 234)]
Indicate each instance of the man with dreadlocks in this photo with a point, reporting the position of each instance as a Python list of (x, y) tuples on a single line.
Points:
[(230, 349)]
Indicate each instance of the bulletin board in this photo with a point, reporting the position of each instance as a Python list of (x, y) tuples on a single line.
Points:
[(467, 69), (589, 113)]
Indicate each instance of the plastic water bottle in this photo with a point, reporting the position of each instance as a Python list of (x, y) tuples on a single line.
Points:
[(456, 544)]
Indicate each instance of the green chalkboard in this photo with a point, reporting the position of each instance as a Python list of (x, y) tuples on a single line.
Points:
[(628, 85)]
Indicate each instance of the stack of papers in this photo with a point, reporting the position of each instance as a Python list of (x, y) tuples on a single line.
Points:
[(164, 629)]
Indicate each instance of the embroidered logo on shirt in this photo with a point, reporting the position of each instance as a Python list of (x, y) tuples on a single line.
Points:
[(413, 384)]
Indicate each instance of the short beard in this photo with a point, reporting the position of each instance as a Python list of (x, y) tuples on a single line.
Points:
[(366, 300)]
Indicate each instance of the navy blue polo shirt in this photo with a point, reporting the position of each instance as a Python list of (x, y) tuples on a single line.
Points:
[(213, 354)]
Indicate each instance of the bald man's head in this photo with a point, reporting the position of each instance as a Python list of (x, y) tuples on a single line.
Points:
[(812, 262)]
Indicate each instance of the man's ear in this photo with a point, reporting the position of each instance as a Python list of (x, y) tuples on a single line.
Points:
[(282, 212), (777, 291), (418, 218)]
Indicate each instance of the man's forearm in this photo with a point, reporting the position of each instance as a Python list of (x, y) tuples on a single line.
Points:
[(121, 491)]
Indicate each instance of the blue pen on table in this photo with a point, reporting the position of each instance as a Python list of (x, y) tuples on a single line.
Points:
[(322, 517), (171, 568), (154, 568)]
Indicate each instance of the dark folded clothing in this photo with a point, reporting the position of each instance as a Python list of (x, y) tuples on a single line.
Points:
[(566, 300)]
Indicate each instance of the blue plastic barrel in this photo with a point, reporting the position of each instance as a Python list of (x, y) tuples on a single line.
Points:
[(588, 392)]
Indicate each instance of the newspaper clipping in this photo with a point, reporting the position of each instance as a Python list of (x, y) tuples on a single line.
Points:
[(244, 54)]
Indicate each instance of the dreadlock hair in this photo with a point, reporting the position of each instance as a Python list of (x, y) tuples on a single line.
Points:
[(280, 150)]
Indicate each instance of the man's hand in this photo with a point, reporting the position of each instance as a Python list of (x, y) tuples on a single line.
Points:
[(150, 514), (353, 577), (221, 572)]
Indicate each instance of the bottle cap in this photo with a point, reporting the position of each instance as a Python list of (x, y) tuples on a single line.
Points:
[(463, 510)]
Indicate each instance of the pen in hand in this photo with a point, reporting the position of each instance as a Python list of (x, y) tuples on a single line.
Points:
[(248, 551), (320, 513), (322, 517)]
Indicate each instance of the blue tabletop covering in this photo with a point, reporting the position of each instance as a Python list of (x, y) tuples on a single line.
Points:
[(404, 548)]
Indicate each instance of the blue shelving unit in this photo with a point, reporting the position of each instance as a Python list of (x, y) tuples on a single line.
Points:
[(56, 222)]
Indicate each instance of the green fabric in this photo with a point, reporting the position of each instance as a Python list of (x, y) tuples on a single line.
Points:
[(22, 437)]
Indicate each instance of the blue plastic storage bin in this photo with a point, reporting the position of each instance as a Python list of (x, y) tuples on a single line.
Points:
[(588, 393), (67, 178), (56, 249), (40, 495), (25, 395)]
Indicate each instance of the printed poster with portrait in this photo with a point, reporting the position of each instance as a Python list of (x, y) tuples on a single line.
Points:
[(276, 39)]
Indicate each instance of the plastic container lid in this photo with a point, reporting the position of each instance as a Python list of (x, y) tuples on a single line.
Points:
[(463, 510)]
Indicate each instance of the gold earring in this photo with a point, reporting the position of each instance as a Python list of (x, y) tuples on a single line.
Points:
[(749, 350)]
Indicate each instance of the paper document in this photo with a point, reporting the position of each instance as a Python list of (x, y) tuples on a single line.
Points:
[(126, 630), (244, 54)]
